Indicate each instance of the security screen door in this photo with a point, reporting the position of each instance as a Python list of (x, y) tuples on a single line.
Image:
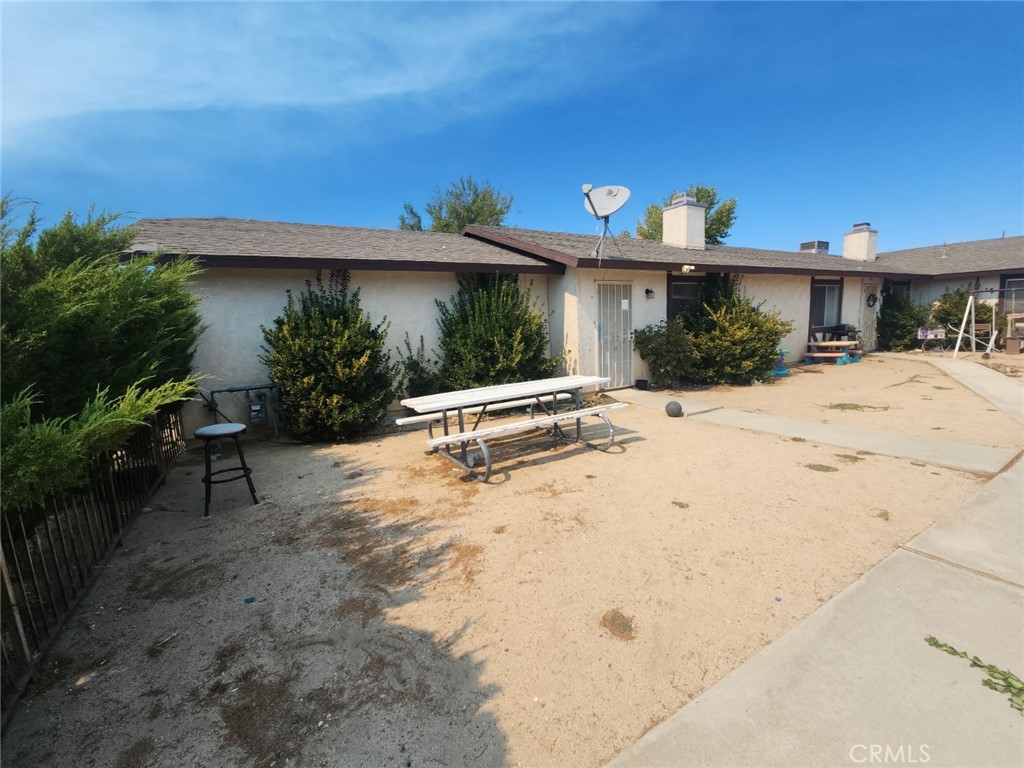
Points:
[(614, 332)]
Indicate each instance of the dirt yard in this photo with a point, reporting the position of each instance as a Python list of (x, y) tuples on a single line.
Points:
[(377, 609)]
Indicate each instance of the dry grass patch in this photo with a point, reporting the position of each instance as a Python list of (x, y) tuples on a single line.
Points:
[(618, 625)]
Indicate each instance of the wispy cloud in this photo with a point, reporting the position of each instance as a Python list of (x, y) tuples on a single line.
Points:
[(65, 61)]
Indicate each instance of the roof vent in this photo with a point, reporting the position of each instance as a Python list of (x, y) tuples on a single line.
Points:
[(815, 246)]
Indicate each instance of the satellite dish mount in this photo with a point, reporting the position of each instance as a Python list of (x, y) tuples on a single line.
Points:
[(602, 203)]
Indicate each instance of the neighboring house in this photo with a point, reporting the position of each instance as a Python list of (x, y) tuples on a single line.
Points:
[(593, 301), (989, 264)]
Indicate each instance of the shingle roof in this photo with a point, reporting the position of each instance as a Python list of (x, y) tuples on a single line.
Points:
[(576, 250), (1004, 254), (223, 242)]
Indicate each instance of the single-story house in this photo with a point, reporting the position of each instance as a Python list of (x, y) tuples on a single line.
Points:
[(593, 300)]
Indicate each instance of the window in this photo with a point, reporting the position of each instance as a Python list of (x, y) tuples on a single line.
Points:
[(826, 302), (900, 288), (1013, 298), (682, 293)]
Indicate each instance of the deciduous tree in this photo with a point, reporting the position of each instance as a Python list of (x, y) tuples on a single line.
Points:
[(463, 202), (719, 216)]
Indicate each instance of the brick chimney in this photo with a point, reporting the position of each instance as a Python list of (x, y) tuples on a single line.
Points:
[(683, 222), (861, 243)]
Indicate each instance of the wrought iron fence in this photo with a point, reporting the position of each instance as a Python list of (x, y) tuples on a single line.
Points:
[(50, 556)]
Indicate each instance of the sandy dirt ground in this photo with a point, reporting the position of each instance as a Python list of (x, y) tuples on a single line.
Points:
[(402, 615)]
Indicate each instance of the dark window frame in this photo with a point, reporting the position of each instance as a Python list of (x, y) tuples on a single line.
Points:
[(1003, 280), (671, 280), (813, 329), (899, 287)]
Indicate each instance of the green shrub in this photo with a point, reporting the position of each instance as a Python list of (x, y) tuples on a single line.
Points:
[(738, 343), (82, 335), (949, 311), (898, 321), (724, 339), (420, 375), (334, 375), (46, 456), (492, 334), (667, 348), (75, 317)]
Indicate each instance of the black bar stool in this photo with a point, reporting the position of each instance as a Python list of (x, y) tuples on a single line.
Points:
[(217, 432)]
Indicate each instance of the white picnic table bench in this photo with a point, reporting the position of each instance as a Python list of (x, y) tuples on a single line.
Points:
[(545, 395)]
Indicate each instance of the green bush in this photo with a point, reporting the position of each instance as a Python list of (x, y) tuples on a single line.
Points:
[(75, 317), (723, 339), (949, 311), (667, 348), (738, 343), (898, 321), (329, 362), (492, 334), (48, 456), (92, 348), (420, 375)]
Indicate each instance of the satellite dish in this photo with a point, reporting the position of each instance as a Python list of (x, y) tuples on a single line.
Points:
[(602, 203)]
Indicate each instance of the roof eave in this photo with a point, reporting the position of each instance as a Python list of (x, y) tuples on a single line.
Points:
[(747, 269), (220, 261)]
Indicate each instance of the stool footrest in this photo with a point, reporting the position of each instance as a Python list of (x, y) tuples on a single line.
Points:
[(241, 472)]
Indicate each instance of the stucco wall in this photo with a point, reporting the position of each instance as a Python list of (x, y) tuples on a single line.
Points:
[(790, 296), (563, 318), (644, 311), (235, 302), (925, 291)]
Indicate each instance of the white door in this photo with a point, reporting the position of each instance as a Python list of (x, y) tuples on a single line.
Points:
[(614, 332), (868, 316)]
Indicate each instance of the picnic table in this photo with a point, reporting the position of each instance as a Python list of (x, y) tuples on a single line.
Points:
[(840, 351), (469, 406)]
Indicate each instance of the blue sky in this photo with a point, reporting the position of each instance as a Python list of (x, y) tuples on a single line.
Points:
[(813, 115)]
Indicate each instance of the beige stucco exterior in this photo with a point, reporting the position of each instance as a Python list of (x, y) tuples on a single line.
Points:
[(644, 311), (924, 291), (236, 302), (790, 296)]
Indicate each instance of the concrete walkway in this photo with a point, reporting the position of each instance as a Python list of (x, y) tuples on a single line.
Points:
[(945, 453), (855, 683)]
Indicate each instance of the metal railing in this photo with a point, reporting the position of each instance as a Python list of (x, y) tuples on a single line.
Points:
[(50, 556)]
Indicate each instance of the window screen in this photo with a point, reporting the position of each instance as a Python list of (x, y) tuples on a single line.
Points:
[(825, 304), (1013, 299)]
